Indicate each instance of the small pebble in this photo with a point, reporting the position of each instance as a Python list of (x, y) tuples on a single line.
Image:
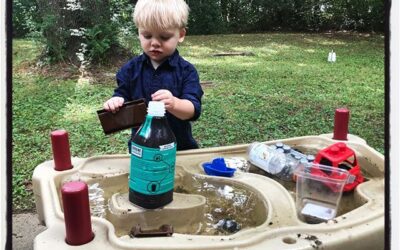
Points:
[(228, 225)]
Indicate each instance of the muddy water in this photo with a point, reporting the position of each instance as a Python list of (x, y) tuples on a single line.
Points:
[(229, 207)]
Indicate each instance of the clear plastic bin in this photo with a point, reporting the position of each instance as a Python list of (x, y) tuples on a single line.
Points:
[(319, 189)]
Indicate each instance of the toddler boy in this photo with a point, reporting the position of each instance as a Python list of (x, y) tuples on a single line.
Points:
[(160, 73)]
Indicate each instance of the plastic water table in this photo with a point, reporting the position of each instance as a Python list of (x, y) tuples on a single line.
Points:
[(273, 221)]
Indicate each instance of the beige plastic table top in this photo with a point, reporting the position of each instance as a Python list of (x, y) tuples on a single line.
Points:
[(360, 228)]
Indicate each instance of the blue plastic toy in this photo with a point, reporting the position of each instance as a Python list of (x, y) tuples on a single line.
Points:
[(218, 168)]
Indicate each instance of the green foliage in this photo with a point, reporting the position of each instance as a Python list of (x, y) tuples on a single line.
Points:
[(81, 32), (55, 38), (233, 16), (287, 89), (206, 17), (362, 15), (24, 17), (201, 23), (100, 39), (122, 16)]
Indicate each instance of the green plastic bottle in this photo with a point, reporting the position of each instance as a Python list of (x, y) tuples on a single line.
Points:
[(153, 156)]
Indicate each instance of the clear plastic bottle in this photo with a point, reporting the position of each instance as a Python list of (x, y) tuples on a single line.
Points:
[(290, 164), (279, 160), (266, 157)]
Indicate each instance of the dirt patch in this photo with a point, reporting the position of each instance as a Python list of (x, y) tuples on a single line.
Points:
[(314, 241), (234, 54), (68, 70)]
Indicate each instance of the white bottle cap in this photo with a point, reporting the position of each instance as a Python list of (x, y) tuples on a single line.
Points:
[(156, 108)]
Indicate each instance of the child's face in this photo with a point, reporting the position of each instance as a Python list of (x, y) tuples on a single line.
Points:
[(158, 45)]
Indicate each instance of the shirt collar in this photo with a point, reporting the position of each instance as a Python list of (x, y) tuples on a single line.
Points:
[(172, 60)]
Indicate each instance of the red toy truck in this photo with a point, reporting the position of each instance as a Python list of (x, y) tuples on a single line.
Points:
[(341, 156)]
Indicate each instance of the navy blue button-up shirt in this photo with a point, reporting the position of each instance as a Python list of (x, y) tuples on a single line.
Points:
[(138, 79)]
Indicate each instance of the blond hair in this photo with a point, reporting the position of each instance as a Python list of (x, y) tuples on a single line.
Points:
[(161, 14)]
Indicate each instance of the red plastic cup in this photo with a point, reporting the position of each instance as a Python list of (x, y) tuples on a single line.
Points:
[(341, 126), (61, 152), (78, 224)]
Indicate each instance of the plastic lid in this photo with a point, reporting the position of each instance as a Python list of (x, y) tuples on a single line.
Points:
[(310, 158), (286, 148), (156, 108)]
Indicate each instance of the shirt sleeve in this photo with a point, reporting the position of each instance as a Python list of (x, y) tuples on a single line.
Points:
[(192, 90), (124, 79)]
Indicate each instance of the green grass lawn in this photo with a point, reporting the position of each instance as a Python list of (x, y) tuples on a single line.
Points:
[(286, 89)]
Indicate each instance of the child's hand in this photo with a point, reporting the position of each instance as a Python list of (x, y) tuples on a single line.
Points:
[(113, 104), (166, 97)]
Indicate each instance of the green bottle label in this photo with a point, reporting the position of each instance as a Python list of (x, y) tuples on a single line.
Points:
[(152, 169)]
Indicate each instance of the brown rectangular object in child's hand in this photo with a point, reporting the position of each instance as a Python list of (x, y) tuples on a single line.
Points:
[(130, 115)]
